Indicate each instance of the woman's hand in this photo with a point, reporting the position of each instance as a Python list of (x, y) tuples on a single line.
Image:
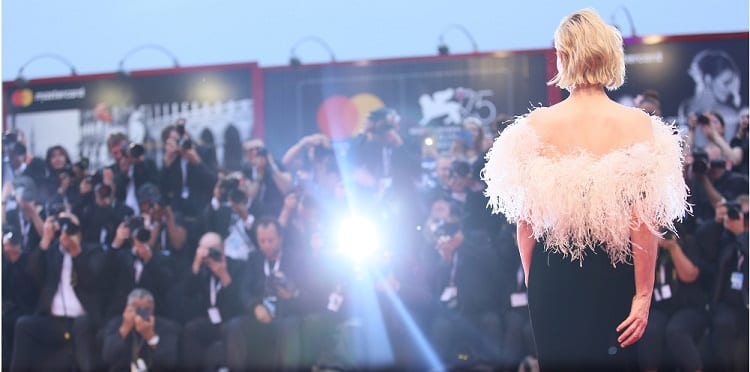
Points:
[(634, 325)]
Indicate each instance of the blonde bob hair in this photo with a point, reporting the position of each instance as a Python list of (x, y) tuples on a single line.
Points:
[(589, 52)]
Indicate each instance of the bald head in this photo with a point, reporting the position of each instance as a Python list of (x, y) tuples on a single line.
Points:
[(211, 240)]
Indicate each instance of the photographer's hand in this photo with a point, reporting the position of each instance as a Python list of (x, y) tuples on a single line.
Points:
[(219, 268), (145, 327), (262, 314), (142, 250), (48, 232), (121, 235), (201, 253), (191, 155), (128, 321)]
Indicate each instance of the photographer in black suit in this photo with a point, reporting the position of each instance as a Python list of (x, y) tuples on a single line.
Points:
[(20, 291), (464, 269), (63, 329), (269, 294), (134, 170), (211, 296), (131, 263), (140, 340), (186, 181)]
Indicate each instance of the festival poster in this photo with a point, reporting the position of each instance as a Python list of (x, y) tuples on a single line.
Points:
[(692, 73), (79, 112)]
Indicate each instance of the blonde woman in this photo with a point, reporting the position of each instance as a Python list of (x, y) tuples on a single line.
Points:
[(589, 183)]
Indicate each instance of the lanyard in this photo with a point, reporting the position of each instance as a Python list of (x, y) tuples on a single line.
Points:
[(267, 267), (453, 269), (740, 261), (213, 289)]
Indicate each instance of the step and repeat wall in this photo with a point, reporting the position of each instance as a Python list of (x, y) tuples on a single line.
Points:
[(224, 105)]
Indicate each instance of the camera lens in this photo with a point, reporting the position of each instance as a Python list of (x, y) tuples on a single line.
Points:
[(136, 150)]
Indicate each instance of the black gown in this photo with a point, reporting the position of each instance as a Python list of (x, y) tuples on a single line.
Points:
[(575, 309)]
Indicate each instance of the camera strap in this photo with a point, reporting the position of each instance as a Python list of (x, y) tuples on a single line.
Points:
[(267, 267)]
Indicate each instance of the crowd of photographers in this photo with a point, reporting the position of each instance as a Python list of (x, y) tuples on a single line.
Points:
[(378, 254)]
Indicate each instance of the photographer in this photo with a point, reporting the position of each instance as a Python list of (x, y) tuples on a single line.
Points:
[(228, 216), (677, 319), (133, 171), (59, 181), (20, 291), (711, 182), (62, 332), (464, 269), (132, 263), (373, 152), (20, 211), (170, 230), (740, 140), (269, 295), (140, 340), (729, 302), (16, 160), (268, 183), (100, 213), (186, 181), (211, 299)]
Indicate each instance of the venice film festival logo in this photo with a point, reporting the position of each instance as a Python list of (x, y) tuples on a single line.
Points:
[(341, 117)]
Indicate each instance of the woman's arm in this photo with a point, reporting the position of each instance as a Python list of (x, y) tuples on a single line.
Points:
[(526, 243), (644, 265)]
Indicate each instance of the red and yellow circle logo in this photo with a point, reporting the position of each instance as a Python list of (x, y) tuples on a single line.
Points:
[(340, 117), (22, 98)]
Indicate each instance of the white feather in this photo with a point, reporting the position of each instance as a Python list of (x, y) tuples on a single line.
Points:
[(576, 202)]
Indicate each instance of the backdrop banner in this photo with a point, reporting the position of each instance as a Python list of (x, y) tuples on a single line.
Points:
[(79, 112)]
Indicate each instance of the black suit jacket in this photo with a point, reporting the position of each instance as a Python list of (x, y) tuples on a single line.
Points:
[(117, 352), (119, 280), (20, 292), (477, 275), (255, 286), (143, 172), (46, 265), (197, 296), (200, 180)]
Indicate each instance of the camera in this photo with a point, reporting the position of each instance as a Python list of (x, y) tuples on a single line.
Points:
[(702, 119), (279, 280), (136, 150), (185, 143), (143, 312), (734, 210), (214, 254), (226, 187), (447, 229), (133, 222), (700, 162), (383, 119), (54, 208), (261, 151), (68, 226), (137, 228), (103, 190), (83, 164)]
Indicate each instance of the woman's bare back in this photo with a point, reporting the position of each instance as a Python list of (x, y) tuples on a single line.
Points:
[(595, 126)]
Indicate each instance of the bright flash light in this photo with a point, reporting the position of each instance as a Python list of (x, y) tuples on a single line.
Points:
[(357, 238), (429, 141)]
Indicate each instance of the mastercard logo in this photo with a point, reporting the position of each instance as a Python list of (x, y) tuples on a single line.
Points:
[(22, 98), (341, 117)]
